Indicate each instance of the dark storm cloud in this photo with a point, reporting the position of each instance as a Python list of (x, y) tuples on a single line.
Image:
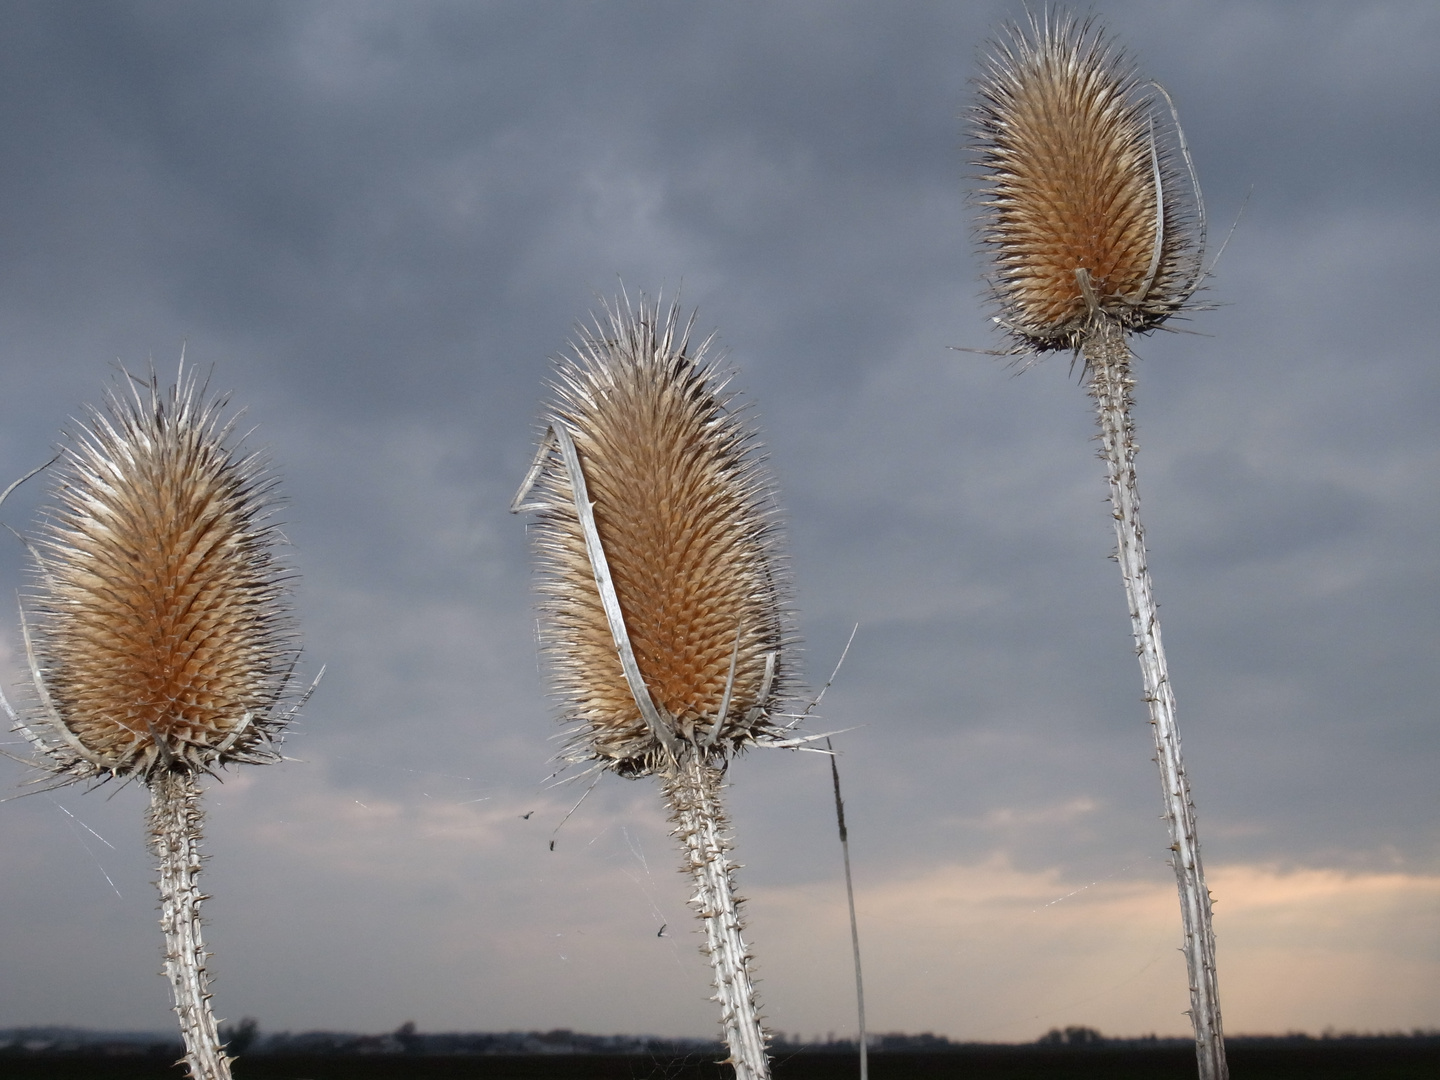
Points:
[(378, 221)]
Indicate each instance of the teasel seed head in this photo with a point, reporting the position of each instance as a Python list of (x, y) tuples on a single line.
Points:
[(159, 636), (685, 514), (1089, 207)]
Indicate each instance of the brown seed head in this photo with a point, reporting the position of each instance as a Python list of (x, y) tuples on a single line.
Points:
[(685, 514), (1087, 210), (161, 639)]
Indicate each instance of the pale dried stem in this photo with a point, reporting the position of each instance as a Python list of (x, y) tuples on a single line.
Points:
[(1107, 356), (175, 821), (693, 789), (850, 899)]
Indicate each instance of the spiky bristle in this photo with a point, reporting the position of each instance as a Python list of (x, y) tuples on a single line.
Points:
[(685, 515), (1081, 175), (161, 635)]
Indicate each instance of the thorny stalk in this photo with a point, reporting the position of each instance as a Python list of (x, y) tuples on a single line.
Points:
[(1107, 355), (175, 821), (692, 788)]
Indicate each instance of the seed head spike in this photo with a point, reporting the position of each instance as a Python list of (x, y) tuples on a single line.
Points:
[(1089, 210), (680, 512), (159, 635)]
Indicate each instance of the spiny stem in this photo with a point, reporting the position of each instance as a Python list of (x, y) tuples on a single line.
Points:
[(692, 788), (1107, 356), (850, 897), (175, 821)]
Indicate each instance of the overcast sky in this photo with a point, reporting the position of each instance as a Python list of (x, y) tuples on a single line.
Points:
[(378, 222)]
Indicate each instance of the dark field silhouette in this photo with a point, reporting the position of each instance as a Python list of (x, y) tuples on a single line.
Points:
[(1340, 1059)]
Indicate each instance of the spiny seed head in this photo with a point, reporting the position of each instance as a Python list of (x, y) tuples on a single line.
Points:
[(685, 514), (1089, 210), (161, 635)]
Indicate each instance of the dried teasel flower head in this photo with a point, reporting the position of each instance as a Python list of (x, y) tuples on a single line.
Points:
[(159, 635), (1089, 206), (684, 523)]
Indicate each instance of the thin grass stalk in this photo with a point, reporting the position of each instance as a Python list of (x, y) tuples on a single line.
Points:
[(1107, 355), (850, 899), (175, 824)]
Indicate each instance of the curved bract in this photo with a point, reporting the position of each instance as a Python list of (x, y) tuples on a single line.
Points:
[(684, 514), (1089, 210), (160, 638)]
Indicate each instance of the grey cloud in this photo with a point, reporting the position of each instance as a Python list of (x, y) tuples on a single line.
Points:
[(378, 223)]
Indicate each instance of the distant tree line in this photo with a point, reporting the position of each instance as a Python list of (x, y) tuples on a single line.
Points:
[(246, 1038)]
